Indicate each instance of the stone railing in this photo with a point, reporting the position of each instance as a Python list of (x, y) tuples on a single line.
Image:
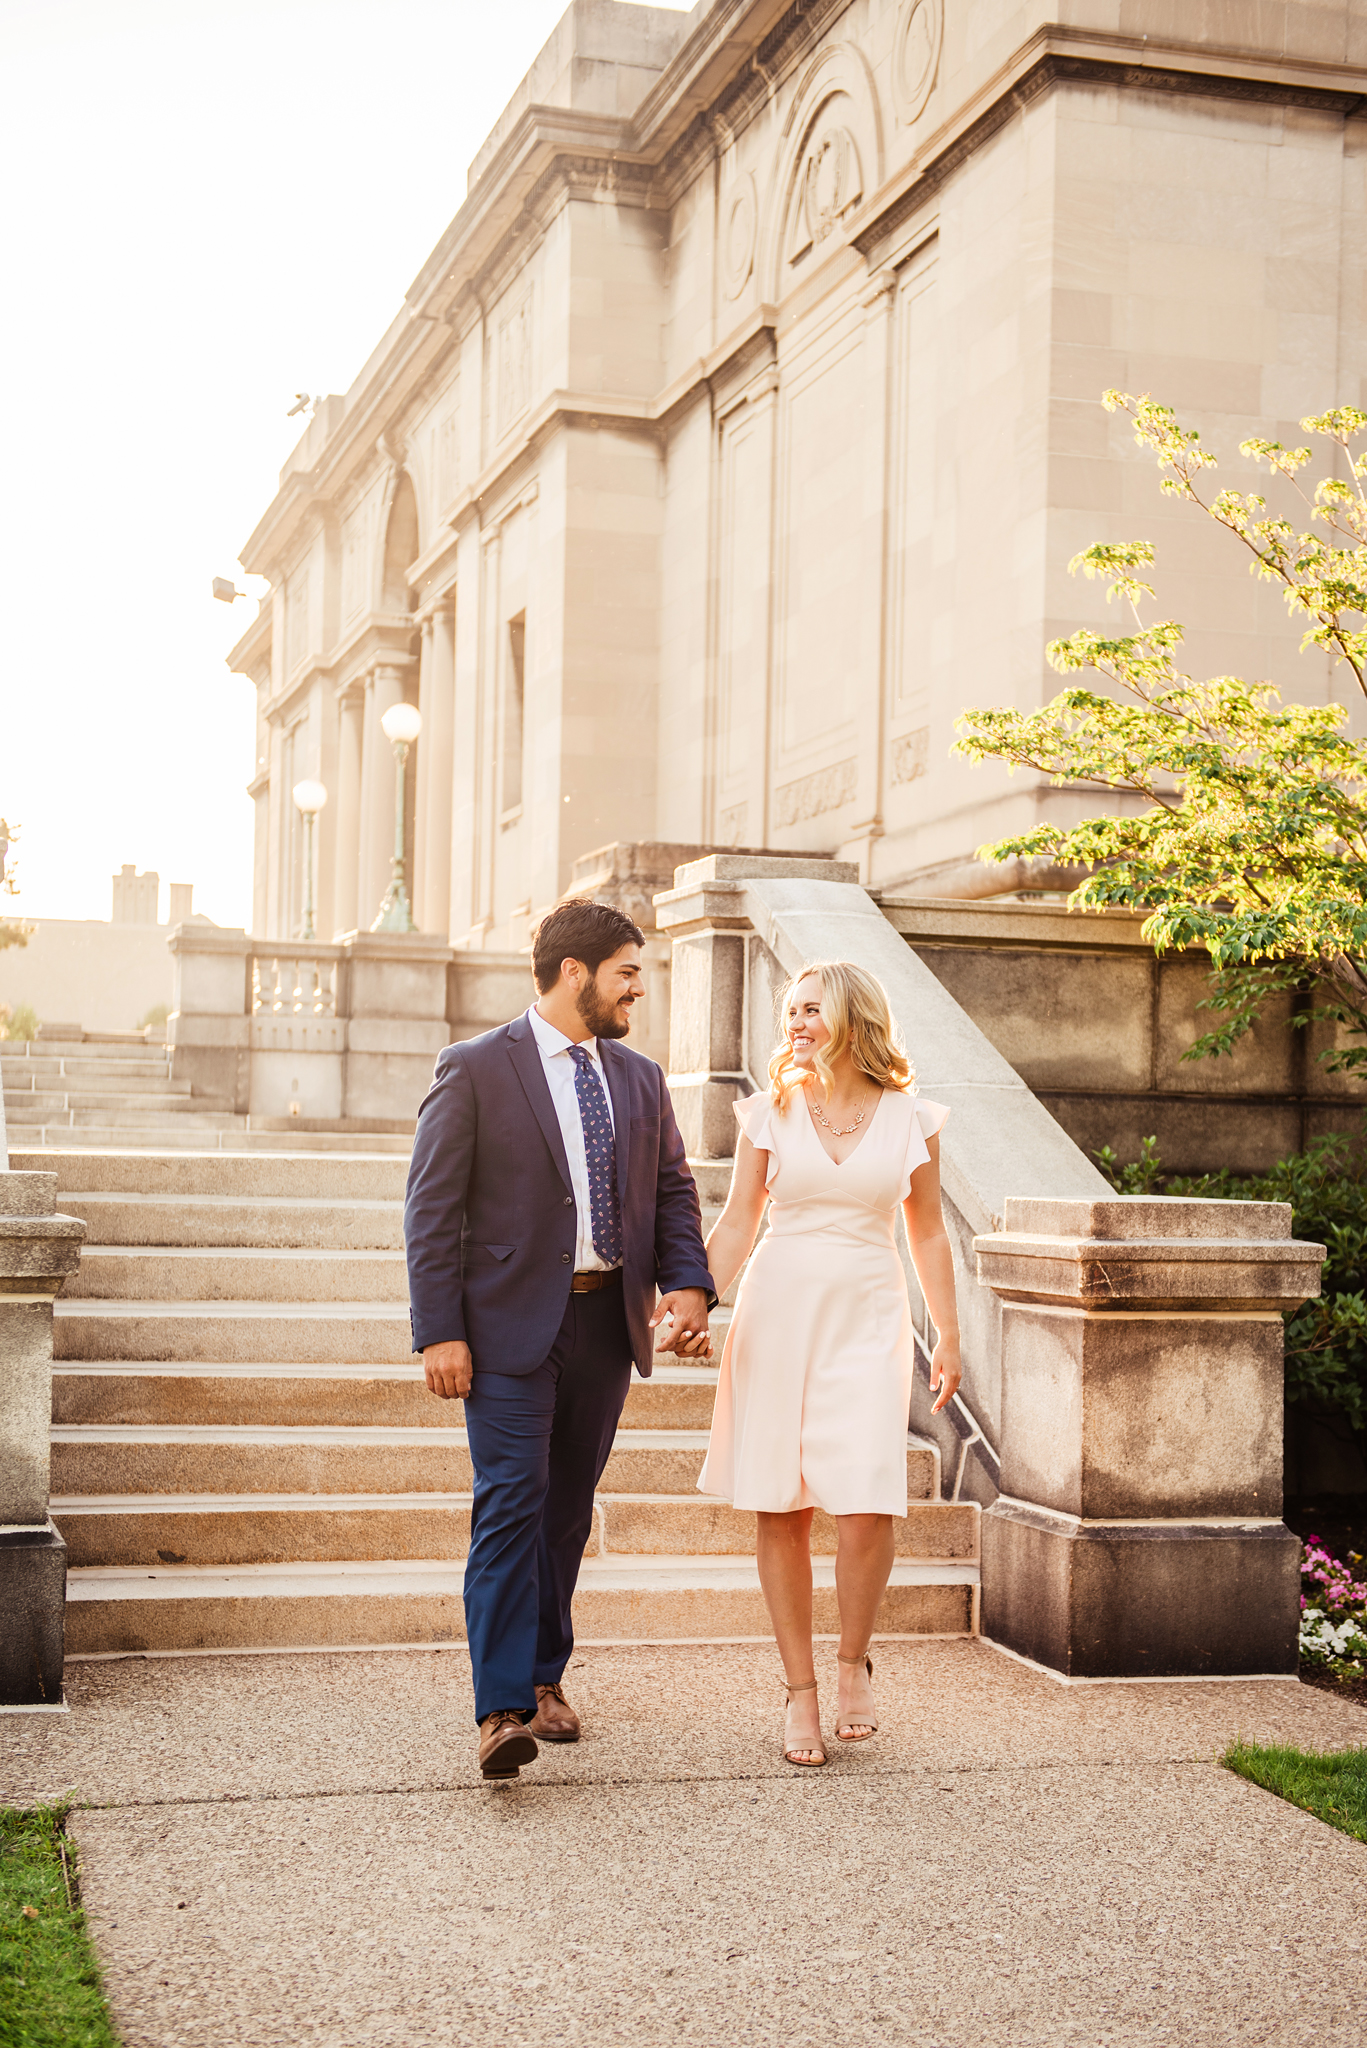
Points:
[(329, 1033), (1122, 1357)]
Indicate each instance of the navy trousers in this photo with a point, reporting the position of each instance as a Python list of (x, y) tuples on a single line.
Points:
[(538, 1443)]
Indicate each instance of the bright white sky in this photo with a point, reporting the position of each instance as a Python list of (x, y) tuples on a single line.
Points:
[(209, 205)]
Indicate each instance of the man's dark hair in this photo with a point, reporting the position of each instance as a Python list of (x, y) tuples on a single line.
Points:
[(591, 932)]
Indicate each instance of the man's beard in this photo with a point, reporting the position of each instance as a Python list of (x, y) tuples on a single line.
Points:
[(598, 1018)]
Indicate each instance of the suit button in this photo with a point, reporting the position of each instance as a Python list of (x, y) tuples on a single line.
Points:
[(564, 1258), (569, 1201)]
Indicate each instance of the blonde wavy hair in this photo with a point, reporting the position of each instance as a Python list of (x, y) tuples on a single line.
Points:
[(854, 1009)]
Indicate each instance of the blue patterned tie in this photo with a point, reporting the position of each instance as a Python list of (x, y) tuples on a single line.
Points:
[(601, 1157)]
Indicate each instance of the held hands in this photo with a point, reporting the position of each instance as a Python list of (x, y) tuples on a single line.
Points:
[(945, 1370), (687, 1337), (448, 1369)]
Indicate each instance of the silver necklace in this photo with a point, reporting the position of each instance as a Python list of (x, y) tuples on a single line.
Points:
[(826, 1124)]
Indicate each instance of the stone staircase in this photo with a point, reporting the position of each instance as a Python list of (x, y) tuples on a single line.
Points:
[(244, 1454), (114, 1090)]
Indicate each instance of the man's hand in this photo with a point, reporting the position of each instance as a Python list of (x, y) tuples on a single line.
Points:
[(688, 1335), (448, 1369)]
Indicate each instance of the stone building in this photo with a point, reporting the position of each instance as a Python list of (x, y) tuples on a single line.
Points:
[(739, 430)]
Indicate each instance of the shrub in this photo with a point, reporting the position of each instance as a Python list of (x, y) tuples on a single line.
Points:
[(21, 1021)]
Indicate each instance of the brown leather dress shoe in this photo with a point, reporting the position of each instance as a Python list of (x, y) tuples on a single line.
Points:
[(505, 1744), (555, 1719)]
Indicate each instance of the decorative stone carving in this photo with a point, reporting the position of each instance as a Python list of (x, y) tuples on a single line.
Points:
[(731, 823), (825, 790), (916, 56), (740, 215), (911, 755), (830, 184)]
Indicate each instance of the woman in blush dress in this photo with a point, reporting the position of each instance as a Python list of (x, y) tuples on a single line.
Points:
[(814, 1391)]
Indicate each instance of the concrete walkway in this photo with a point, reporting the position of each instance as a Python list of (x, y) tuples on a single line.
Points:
[(296, 1849)]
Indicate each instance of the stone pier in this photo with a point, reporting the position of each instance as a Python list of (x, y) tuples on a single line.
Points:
[(38, 1249)]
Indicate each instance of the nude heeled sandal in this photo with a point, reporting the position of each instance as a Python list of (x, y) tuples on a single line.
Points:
[(802, 1763), (844, 1722)]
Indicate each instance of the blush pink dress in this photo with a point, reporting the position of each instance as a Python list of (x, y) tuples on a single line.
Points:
[(815, 1383)]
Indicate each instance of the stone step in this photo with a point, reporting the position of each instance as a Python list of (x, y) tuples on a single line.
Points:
[(303, 1528), (241, 1331), (237, 1221), (177, 1134), (236, 1332), (273, 1172), (117, 1050), (172, 1114), (326, 1396), (114, 1458), (113, 1609), (75, 1077), (162, 1273)]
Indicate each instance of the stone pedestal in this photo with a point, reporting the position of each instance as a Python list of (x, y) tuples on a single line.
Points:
[(707, 916), (396, 1003), (37, 1250), (209, 1029), (1139, 1532)]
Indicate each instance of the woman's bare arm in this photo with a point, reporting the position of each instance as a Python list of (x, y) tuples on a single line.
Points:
[(934, 1262), (733, 1234)]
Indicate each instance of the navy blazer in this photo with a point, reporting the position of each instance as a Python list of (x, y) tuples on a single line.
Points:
[(489, 1219)]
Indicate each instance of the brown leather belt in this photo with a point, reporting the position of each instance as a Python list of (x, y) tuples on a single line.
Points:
[(589, 1283)]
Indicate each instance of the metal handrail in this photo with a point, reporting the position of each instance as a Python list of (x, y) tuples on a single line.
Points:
[(960, 1418)]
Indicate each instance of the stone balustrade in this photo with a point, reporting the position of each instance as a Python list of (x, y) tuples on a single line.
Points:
[(344, 1032)]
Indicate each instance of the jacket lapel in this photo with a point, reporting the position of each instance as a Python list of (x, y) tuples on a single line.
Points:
[(615, 1069), (526, 1058)]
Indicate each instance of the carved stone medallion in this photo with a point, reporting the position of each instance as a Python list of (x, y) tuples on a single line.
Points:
[(740, 213), (916, 55)]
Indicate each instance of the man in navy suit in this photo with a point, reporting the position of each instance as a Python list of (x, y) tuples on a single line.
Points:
[(548, 1198)]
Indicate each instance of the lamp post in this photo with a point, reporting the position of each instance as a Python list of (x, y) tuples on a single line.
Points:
[(310, 798), (401, 725)]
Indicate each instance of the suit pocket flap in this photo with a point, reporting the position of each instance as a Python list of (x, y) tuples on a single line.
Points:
[(489, 1251)]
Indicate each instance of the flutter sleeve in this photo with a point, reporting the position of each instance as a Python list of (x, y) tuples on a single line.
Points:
[(926, 1120), (755, 1114)]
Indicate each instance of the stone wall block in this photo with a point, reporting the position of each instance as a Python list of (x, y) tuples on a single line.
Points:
[(1108, 1416), (1140, 1601), (211, 966), (390, 974)]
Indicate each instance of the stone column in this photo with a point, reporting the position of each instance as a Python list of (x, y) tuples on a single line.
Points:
[(347, 822), (439, 741), (377, 795), (417, 881), (38, 1248), (707, 923), (1138, 1532)]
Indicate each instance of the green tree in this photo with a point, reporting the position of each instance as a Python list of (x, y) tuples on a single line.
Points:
[(1245, 823)]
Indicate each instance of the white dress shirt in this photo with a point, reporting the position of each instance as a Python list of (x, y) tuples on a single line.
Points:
[(559, 1070)]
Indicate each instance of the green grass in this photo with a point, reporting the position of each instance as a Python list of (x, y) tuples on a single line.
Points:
[(50, 1994), (1333, 1787)]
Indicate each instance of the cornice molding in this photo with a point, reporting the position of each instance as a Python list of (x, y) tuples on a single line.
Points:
[(1061, 57), (736, 58)]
